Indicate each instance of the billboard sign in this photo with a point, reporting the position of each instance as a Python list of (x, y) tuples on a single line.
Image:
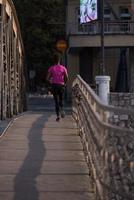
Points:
[(88, 10)]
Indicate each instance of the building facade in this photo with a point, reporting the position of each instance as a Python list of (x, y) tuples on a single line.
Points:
[(84, 43)]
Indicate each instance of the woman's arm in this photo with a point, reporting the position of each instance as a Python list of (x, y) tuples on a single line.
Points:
[(65, 76)]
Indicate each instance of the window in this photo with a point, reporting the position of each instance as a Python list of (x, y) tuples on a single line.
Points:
[(125, 16), (107, 13), (124, 13)]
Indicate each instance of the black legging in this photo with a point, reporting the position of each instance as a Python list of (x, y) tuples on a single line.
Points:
[(58, 93)]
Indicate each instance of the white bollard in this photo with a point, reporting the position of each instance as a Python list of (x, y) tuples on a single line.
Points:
[(102, 83)]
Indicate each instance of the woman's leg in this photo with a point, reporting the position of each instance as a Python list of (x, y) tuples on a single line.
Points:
[(56, 100), (56, 104), (61, 99)]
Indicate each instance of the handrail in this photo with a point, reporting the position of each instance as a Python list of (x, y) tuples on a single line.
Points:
[(108, 148), (105, 107)]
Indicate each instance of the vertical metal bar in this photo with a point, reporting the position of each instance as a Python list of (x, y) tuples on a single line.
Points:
[(2, 60), (10, 65), (14, 81)]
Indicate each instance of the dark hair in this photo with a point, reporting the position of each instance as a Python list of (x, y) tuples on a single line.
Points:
[(56, 58)]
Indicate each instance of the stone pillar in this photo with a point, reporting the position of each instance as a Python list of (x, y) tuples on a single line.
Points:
[(102, 83)]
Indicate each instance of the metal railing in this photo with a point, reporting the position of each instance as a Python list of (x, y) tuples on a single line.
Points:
[(110, 27), (12, 66), (109, 149)]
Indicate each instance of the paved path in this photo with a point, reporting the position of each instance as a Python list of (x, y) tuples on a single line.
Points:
[(41, 159)]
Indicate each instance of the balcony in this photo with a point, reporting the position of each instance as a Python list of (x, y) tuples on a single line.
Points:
[(118, 27), (119, 33)]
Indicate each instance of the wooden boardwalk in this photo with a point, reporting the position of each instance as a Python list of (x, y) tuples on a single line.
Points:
[(41, 159)]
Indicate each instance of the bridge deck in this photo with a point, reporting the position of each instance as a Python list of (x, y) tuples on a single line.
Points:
[(43, 159)]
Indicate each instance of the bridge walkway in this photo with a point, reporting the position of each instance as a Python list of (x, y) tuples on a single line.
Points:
[(41, 159)]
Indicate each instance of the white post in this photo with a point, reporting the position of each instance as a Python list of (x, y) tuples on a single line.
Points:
[(102, 83)]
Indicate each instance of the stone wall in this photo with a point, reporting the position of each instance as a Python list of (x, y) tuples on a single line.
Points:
[(109, 151), (122, 99), (121, 146), (125, 100)]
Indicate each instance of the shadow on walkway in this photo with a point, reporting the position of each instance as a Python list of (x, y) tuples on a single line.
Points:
[(25, 181)]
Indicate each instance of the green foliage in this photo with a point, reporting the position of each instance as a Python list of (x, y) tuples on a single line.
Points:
[(42, 23)]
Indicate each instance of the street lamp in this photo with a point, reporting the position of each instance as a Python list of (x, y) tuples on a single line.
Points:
[(102, 81), (102, 59)]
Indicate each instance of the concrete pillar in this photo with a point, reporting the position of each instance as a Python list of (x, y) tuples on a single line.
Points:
[(102, 83)]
